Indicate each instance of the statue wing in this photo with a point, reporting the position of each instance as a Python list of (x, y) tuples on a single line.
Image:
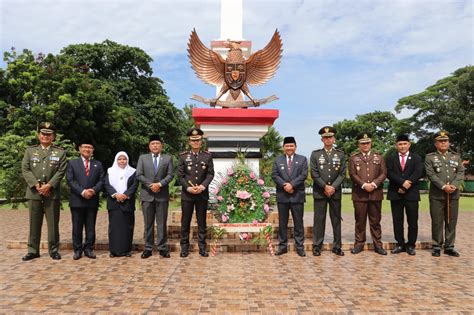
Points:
[(208, 65), (263, 64)]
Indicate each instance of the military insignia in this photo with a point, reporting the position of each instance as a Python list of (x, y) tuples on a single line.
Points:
[(442, 133), (34, 164), (194, 132), (189, 168), (326, 130), (365, 136), (322, 166), (358, 168), (47, 125)]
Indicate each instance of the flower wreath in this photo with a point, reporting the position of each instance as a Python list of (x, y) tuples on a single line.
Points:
[(241, 197)]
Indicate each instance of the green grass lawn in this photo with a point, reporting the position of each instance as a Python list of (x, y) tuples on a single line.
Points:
[(465, 204)]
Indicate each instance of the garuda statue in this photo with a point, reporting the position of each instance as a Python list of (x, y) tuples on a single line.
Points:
[(234, 73)]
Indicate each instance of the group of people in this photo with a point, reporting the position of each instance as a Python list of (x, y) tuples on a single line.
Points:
[(368, 171), (44, 165)]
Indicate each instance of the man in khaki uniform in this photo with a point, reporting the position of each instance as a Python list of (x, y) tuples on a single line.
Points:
[(368, 171), (43, 167), (445, 172)]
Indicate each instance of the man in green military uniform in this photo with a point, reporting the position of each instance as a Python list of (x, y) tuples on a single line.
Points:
[(445, 172), (328, 168), (43, 167)]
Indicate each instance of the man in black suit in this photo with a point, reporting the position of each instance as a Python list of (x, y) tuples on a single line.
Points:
[(155, 172), (404, 170), (85, 176), (289, 173)]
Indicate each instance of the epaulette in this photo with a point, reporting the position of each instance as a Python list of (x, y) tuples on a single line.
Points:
[(57, 147), (353, 154), (454, 152), (206, 152), (184, 152), (431, 153), (338, 150), (34, 146)]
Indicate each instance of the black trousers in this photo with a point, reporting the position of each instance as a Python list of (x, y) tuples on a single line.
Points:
[(399, 208), (319, 221), (187, 208), (83, 218), (155, 210), (297, 211)]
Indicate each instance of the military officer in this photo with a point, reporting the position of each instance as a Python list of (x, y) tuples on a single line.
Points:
[(328, 168), (368, 171), (195, 173), (445, 172), (43, 167)]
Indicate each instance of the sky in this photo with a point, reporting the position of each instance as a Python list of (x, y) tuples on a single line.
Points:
[(340, 59)]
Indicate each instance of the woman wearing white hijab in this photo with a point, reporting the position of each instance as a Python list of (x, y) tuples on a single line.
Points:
[(121, 185)]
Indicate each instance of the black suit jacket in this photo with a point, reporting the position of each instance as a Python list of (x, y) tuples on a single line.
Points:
[(78, 181), (296, 178), (413, 172), (127, 205)]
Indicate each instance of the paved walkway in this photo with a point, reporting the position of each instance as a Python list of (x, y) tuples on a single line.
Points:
[(236, 283)]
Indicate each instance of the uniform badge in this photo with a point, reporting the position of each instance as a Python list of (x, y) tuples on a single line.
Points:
[(322, 166), (358, 168), (189, 168)]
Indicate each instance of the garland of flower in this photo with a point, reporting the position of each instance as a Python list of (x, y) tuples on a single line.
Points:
[(241, 196)]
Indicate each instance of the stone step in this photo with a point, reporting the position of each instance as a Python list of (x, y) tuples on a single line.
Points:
[(224, 245)]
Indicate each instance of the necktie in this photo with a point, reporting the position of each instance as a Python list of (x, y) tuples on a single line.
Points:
[(402, 163), (86, 164), (155, 163), (289, 164)]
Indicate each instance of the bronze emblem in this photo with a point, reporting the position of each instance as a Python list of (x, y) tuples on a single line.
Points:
[(47, 124), (326, 130), (235, 73)]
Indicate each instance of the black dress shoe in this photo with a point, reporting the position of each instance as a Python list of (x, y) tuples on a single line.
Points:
[(301, 253), (380, 251), (89, 253), (203, 253), (146, 254), (398, 249), (451, 252), (77, 255), (411, 250), (128, 254), (357, 250), (55, 256), (165, 254), (112, 255), (281, 252), (338, 251), (184, 253), (30, 256), (316, 251), (436, 252)]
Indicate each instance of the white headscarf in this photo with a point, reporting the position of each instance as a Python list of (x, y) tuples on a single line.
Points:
[(118, 176)]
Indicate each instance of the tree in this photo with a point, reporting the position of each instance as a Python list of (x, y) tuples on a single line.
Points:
[(382, 126), (271, 147), (447, 105)]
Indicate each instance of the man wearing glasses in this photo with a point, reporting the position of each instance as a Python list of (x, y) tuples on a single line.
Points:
[(368, 171), (43, 167), (195, 173)]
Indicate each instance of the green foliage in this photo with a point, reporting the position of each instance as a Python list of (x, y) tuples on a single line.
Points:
[(271, 148), (448, 105), (382, 126), (241, 197)]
